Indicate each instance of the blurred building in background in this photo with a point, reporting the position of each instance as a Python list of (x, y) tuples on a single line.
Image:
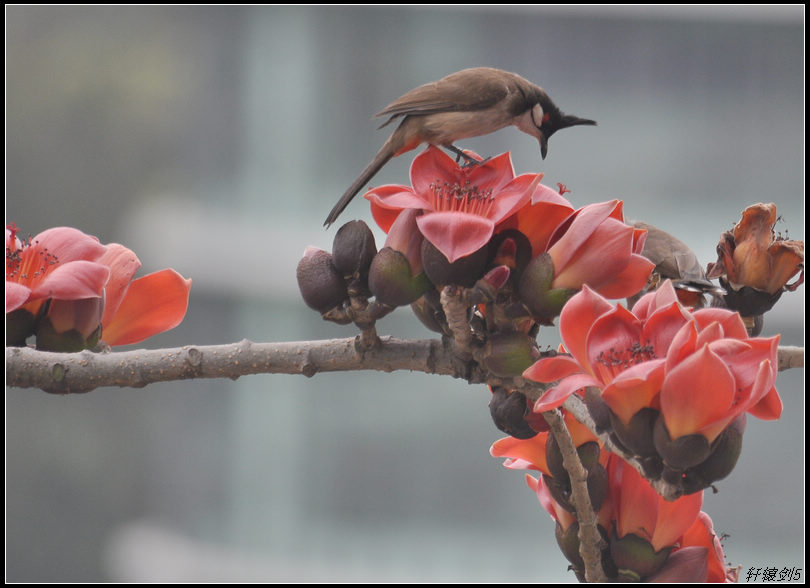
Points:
[(215, 140)]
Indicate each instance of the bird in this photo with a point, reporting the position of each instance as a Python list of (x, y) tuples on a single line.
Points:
[(674, 261), (468, 103)]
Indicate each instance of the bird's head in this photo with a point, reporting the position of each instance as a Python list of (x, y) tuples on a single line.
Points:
[(548, 119)]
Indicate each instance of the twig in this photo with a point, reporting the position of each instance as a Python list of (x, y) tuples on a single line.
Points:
[(590, 541)]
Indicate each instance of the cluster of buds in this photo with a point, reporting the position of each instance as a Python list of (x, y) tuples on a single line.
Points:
[(69, 292)]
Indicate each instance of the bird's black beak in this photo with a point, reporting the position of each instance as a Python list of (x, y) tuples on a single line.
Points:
[(543, 146), (569, 120)]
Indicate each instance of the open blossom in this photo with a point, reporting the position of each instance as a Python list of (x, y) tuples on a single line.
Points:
[(85, 284), (59, 263), (701, 370), (461, 205)]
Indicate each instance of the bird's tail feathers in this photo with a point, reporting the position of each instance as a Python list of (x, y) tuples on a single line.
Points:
[(382, 157)]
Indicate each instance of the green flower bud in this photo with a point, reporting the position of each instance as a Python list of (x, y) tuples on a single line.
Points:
[(391, 281)]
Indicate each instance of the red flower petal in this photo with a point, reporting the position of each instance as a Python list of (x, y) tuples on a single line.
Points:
[(455, 234), (153, 304), (730, 321), (73, 281), (389, 200), (123, 264), (16, 295), (531, 451), (577, 318), (634, 389), (697, 392), (551, 369), (555, 397)]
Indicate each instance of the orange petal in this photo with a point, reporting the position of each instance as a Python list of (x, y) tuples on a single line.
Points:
[(153, 304), (696, 392), (123, 264)]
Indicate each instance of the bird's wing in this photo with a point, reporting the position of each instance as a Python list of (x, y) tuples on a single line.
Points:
[(463, 91)]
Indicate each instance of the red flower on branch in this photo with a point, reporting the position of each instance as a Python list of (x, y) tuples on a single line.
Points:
[(85, 284), (461, 205), (59, 263)]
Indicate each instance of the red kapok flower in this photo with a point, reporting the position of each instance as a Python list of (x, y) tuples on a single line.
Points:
[(595, 247), (59, 263), (138, 309), (83, 279), (462, 205)]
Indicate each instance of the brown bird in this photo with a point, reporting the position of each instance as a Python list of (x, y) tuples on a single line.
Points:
[(674, 261), (468, 103)]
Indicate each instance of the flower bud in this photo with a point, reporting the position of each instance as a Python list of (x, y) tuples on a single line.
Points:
[(463, 272), (391, 281), (635, 557), (70, 325), (536, 293), (748, 301), (508, 411), (20, 325), (726, 451), (353, 249), (681, 453), (429, 311), (512, 249), (637, 435), (568, 542), (321, 285), (509, 354)]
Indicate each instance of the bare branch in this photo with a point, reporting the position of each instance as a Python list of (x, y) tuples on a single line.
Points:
[(590, 540)]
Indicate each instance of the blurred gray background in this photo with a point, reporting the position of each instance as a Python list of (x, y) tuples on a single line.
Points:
[(215, 140)]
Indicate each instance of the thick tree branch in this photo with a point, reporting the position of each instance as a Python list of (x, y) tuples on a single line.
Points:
[(65, 373)]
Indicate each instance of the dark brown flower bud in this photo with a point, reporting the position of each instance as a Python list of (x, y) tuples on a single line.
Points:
[(321, 285), (353, 249)]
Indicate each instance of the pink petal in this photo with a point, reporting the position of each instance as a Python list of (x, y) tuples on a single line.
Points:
[(555, 397), (577, 318), (627, 281), (612, 343), (674, 518), (389, 200), (731, 323), (456, 234), (662, 326), (154, 303), (598, 258), (514, 196), (579, 229), (634, 389), (531, 451), (68, 244), (551, 369), (73, 281), (16, 295)]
